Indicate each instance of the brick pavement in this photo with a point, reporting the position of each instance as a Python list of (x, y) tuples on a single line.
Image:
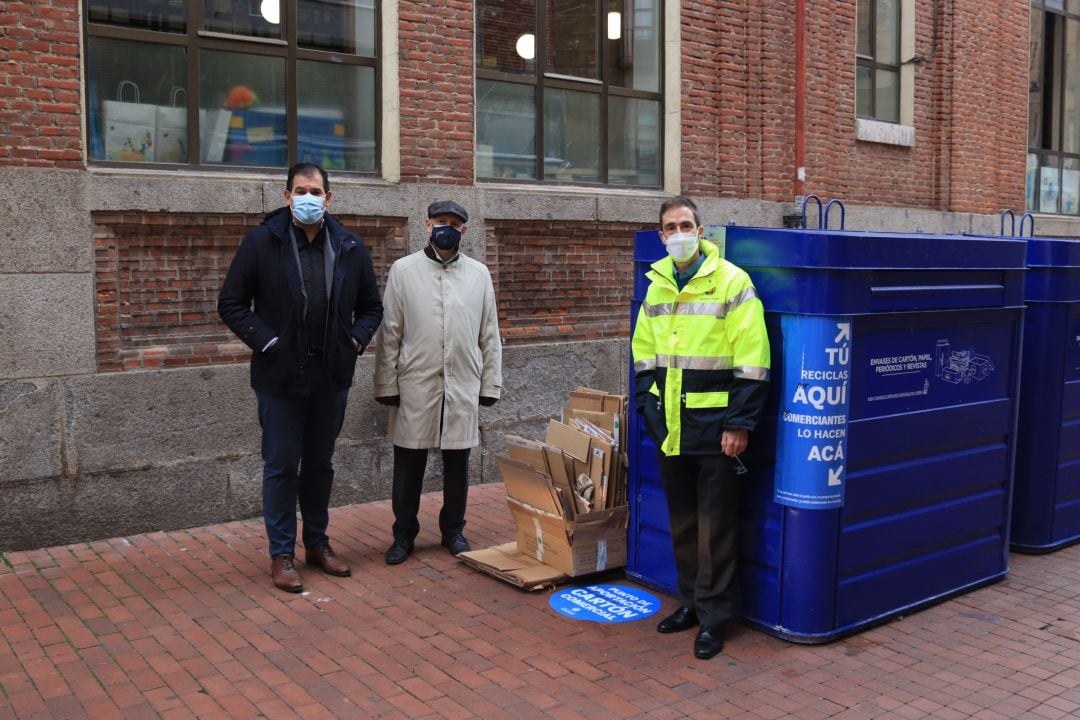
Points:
[(187, 625)]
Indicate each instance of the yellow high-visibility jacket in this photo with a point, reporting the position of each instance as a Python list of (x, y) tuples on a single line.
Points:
[(701, 355)]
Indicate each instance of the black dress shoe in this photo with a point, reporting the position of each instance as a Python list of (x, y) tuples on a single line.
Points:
[(455, 543), (682, 619), (709, 642), (399, 551)]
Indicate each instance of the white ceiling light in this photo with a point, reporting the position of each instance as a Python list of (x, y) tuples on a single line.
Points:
[(271, 11), (614, 25), (526, 46)]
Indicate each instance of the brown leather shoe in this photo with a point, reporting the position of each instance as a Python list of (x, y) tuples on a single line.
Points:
[(285, 575), (328, 560)]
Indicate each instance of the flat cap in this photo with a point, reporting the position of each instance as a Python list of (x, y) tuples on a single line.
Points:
[(447, 206)]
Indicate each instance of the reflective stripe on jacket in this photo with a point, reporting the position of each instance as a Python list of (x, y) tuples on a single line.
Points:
[(701, 355)]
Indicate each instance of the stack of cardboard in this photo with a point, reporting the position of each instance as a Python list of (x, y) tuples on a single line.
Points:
[(567, 494)]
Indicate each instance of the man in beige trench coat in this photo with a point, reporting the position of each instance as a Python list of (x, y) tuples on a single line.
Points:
[(438, 356)]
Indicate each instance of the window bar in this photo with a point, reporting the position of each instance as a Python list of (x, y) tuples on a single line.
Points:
[(291, 71), (602, 38), (541, 68), (194, 101), (873, 59)]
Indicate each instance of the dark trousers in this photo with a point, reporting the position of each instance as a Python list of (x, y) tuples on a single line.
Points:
[(409, 467), (297, 450), (703, 498)]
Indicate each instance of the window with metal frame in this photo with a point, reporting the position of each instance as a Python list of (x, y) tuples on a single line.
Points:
[(233, 83), (1053, 161), (570, 91), (877, 60)]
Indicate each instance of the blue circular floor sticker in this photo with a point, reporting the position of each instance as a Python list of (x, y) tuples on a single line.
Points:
[(605, 603)]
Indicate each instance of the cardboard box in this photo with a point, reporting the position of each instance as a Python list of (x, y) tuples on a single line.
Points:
[(567, 495), (592, 542)]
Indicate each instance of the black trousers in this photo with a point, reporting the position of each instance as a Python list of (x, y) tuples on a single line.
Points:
[(703, 501), (409, 467)]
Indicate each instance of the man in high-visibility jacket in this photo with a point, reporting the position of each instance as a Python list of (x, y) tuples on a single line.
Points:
[(701, 355)]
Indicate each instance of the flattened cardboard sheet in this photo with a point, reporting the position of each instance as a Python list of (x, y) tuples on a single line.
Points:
[(507, 564), (572, 442), (559, 478), (604, 421), (528, 486), (585, 400), (527, 451)]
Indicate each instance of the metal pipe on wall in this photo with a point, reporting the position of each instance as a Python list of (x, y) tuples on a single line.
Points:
[(800, 98)]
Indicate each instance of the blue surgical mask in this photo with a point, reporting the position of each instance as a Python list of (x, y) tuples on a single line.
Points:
[(445, 237), (308, 209)]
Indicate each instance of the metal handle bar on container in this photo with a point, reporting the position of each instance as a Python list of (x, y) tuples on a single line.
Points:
[(1012, 226), (828, 207), (1024, 217), (806, 201)]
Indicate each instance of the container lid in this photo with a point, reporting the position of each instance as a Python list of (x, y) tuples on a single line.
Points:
[(1053, 252), (821, 249)]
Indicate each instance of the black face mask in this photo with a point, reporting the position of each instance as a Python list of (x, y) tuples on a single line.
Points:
[(445, 237)]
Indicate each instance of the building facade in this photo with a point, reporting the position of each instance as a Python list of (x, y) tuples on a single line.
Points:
[(141, 138)]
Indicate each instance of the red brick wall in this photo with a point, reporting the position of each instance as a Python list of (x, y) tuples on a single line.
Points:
[(738, 90), (749, 69), (561, 281), (158, 275), (40, 97), (157, 278), (836, 164), (989, 105), (737, 99), (436, 84), (700, 97)]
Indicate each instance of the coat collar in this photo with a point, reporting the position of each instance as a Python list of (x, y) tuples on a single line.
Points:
[(278, 221), (430, 253), (341, 242)]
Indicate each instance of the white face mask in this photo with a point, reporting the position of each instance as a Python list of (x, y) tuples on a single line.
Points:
[(681, 246)]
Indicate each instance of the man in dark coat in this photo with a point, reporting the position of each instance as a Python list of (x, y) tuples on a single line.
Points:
[(301, 294)]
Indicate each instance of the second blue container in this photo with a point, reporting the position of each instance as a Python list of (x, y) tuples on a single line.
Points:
[(1046, 504)]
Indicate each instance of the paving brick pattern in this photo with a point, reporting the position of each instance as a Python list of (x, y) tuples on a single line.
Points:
[(187, 625)]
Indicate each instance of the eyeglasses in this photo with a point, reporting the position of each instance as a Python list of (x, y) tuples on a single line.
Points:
[(740, 466)]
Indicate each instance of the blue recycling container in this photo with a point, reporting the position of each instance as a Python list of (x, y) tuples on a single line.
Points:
[(1046, 497), (650, 556), (880, 476)]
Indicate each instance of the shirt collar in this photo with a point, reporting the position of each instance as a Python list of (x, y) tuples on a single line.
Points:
[(435, 256), (301, 237), (684, 276)]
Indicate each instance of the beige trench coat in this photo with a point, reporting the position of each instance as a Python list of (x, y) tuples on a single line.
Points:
[(438, 349)]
